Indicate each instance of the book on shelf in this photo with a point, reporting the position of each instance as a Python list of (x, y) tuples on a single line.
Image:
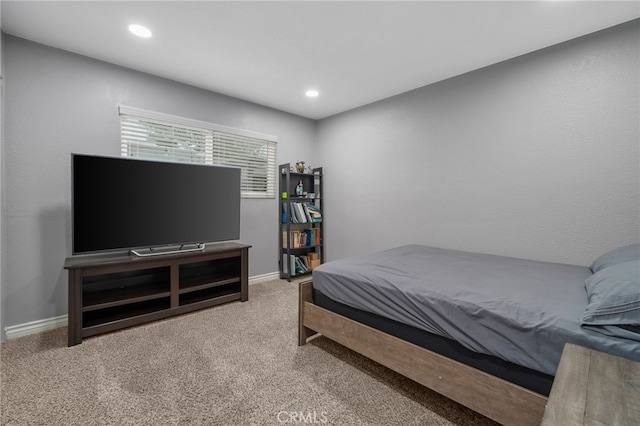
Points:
[(301, 238), (300, 212), (305, 208), (303, 213), (314, 213), (299, 264), (285, 213), (312, 236), (289, 264), (297, 214)]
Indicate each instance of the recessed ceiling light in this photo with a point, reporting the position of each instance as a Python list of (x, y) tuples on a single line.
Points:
[(312, 93), (140, 31)]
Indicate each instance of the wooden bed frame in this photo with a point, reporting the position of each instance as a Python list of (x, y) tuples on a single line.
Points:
[(498, 399)]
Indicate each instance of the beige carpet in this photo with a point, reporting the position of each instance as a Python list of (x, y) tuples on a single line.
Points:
[(236, 364)]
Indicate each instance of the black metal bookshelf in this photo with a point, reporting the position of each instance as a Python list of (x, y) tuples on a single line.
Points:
[(301, 218)]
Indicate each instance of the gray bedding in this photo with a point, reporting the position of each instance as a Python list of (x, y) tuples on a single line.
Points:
[(519, 310)]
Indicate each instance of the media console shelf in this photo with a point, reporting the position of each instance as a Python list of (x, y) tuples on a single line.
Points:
[(111, 292)]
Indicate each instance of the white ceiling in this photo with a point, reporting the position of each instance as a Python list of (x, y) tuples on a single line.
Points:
[(270, 53)]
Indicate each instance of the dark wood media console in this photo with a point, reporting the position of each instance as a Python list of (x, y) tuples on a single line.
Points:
[(111, 292)]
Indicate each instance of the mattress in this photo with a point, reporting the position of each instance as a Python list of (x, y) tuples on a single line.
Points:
[(520, 311)]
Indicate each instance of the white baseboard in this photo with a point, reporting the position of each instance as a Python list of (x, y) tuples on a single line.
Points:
[(38, 326), (33, 327), (264, 277)]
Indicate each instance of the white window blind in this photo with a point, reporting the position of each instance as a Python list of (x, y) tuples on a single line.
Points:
[(156, 136)]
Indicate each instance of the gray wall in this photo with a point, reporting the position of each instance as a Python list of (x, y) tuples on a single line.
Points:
[(537, 157), (58, 103)]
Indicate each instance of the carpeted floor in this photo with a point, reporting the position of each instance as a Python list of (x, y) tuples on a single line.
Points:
[(236, 364)]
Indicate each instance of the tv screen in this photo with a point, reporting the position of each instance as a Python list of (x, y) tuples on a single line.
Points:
[(122, 203)]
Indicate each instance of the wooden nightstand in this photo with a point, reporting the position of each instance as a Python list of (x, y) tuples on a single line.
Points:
[(593, 388)]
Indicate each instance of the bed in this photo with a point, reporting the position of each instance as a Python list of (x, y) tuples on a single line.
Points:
[(487, 331)]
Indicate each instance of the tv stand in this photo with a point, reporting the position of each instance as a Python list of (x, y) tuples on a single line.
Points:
[(112, 292)]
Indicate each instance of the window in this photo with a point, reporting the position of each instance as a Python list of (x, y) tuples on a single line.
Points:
[(156, 136)]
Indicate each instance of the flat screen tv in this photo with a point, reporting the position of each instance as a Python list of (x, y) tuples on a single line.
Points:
[(123, 203)]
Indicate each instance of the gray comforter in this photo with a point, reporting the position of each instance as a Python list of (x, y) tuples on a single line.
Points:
[(519, 310)]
